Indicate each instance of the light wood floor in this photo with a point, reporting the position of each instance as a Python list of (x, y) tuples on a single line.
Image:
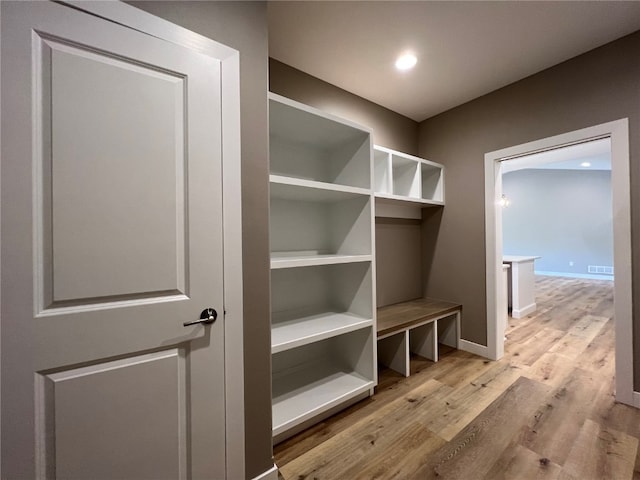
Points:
[(546, 410)]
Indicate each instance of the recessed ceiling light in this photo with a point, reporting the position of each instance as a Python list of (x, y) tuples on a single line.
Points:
[(406, 61), (585, 164)]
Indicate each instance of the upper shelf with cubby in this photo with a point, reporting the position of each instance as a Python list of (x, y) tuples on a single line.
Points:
[(403, 179), (317, 147)]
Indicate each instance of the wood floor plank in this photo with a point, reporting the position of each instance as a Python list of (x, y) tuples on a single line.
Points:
[(530, 350), (518, 462), (602, 453), (636, 471), (613, 415), (368, 437), (465, 368), (550, 368), (581, 333), (597, 356), (472, 452), (559, 419), (403, 461), (453, 413)]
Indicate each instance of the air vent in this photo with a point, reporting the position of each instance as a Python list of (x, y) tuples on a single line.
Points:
[(600, 269)]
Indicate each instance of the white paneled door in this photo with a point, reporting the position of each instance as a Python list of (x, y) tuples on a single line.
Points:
[(111, 241)]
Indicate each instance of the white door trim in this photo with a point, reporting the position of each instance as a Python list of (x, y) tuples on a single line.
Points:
[(132, 17), (618, 132)]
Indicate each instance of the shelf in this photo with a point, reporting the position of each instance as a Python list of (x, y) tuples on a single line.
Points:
[(400, 200), (406, 315), (302, 292), (294, 259), (288, 188), (308, 391), (291, 333), (321, 227), (306, 125), (308, 222), (308, 144)]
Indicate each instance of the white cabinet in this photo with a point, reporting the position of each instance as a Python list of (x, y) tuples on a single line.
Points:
[(403, 179), (322, 264)]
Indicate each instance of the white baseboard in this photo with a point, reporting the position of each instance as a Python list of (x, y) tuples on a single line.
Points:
[(474, 348), (271, 474), (523, 312), (589, 276), (636, 399)]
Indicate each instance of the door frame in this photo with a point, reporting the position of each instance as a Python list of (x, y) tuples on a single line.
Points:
[(229, 58), (618, 132)]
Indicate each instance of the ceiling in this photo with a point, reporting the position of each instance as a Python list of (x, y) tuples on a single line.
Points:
[(465, 49)]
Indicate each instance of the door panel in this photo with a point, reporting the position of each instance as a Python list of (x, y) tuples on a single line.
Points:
[(144, 440), (117, 143), (111, 239)]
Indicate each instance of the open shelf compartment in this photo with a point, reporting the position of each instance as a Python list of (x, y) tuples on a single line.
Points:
[(432, 182), (291, 331), (343, 288), (406, 176), (309, 144), (311, 222), (399, 177), (315, 378)]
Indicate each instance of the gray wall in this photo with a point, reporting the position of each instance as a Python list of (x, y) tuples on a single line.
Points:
[(390, 129), (243, 26), (565, 216), (597, 87), (398, 266)]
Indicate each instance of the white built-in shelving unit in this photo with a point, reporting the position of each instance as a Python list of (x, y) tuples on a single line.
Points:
[(323, 336), (404, 180)]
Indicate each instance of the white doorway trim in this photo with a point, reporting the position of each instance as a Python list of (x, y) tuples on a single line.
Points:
[(229, 58), (618, 132)]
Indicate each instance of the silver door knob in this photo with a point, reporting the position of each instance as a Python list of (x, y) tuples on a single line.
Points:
[(207, 317)]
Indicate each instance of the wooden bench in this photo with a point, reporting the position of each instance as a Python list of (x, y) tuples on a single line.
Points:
[(416, 326)]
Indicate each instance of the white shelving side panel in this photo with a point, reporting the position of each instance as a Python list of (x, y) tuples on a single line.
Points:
[(295, 259), (382, 171), (307, 392), (292, 333)]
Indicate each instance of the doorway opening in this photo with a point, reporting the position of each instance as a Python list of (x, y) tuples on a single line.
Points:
[(618, 134)]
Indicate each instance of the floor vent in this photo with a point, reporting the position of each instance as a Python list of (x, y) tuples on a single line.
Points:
[(600, 269)]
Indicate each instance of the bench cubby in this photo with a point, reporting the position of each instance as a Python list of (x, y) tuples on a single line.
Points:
[(417, 326)]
